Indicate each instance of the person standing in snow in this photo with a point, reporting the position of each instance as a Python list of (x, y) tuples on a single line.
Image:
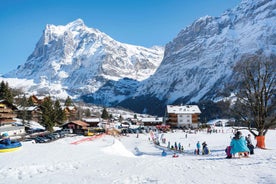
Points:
[(248, 139), (238, 145), (197, 148), (175, 145), (249, 144)]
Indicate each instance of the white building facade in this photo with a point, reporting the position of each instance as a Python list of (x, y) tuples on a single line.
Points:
[(183, 115)]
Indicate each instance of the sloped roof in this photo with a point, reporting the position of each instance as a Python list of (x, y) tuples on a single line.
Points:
[(218, 121), (78, 122), (3, 101), (30, 108), (158, 119), (91, 120)]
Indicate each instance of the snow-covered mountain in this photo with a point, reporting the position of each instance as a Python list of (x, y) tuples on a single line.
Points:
[(198, 61), (195, 66), (83, 59)]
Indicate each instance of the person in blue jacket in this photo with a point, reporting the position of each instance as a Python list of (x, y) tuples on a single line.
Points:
[(238, 144), (5, 139), (197, 148)]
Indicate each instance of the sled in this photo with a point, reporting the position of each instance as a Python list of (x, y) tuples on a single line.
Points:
[(242, 155), (175, 156)]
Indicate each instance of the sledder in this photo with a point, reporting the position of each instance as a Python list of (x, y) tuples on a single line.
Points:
[(238, 145)]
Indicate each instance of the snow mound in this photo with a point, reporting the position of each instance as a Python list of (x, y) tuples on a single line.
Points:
[(117, 148)]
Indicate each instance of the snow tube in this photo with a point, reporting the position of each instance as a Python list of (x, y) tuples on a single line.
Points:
[(8, 148)]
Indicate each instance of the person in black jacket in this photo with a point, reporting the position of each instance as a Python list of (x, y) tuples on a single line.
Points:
[(249, 144)]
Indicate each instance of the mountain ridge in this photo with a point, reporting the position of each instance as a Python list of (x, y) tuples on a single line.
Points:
[(83, 59), (194, 66)]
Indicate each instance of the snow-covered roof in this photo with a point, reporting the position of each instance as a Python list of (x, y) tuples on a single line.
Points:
[(91, 120), (30, 108), (159, 119), (183, 109), (218, 121)]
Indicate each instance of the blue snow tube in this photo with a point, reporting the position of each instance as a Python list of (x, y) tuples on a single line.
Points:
[(11, 147)]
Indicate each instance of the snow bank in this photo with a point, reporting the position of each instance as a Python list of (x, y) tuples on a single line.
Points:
[(118, 149)]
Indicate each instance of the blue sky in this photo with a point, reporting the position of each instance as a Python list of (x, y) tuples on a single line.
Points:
[(138, 22)]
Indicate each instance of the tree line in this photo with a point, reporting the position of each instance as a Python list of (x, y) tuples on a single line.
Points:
[(52, 113)]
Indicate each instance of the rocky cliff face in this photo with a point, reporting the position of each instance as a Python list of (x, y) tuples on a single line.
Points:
[(196, 64), (199, 60), (83, 59)]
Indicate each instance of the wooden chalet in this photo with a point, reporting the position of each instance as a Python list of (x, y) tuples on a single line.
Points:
[(32, 113), (37, 100), (184, 116), (77, 126), (7, 112), (70, 112)]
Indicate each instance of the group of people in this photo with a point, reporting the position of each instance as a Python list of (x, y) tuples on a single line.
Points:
[(177, 147), (205, 149), (240, 145)]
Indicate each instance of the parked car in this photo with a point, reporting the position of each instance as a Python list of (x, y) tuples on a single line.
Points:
[(40, 139)]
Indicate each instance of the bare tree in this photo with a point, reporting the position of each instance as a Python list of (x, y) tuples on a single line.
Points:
[(255, 77)]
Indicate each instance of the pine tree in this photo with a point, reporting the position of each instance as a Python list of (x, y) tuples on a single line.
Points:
[(47, 114), (120, 118), (30, 101), (24, 113), (68, 101), (104, 114), (59, 114), (6, 92), (87, 113)]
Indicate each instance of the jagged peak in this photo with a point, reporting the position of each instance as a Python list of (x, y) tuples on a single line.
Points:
[(76, 24), (252, 4), (73, 26)]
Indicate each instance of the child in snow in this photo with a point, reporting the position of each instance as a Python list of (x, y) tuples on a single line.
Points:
[(249, 144), (205, 149), (5, 139), (164, 153)]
